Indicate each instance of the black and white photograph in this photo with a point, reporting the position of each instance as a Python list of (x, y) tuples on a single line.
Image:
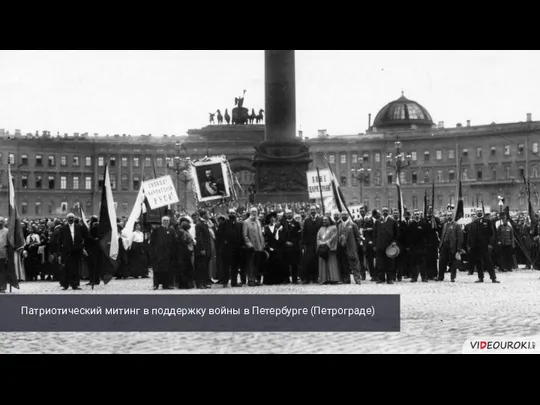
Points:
[(211, 179), (390, 199)]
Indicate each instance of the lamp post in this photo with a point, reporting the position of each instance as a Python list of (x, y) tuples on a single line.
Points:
[(362, 176), (181, 166), (398, 162)]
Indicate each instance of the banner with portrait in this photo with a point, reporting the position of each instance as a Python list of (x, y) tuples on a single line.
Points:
[(211, 179)]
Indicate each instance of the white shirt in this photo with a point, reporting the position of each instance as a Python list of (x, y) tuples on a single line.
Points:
[(72, 230)]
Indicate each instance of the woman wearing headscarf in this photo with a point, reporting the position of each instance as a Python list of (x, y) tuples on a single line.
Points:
[(327, 241)]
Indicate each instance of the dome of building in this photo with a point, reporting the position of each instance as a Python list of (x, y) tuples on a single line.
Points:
[(403, 113)]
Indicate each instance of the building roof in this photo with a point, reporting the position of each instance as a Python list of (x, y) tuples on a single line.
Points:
[(402, 113)]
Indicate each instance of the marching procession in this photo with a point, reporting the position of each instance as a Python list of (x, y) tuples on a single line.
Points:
[(269, 246)]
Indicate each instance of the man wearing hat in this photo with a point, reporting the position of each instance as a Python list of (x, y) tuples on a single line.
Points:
[(232, 249), (417, 235), (480, 243), (292, 252), (384, 235), (348, 241), (310, 265), (450, 244)]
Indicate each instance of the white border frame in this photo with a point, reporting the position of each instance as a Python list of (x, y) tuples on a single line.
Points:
[(224, 171)]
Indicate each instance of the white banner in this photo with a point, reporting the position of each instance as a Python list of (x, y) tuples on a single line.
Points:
[(325, 182), (355, 211), (160, 192), (471, 211)]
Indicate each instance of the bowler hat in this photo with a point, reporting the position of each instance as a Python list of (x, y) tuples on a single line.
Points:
[(392, 251)]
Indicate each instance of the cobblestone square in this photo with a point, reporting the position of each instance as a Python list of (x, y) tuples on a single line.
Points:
[(436, 318)]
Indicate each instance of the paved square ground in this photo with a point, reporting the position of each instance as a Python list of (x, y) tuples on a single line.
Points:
[(436, 318)]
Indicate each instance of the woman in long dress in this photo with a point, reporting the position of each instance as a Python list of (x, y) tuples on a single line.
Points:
[(138, 265), (328, 266)]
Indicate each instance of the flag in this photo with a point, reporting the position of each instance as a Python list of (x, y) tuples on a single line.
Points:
[(460, 211), (425, 203), (15, 234), (530, 207), (337, 200), (433, 222), (135, 215), (108, 230), (83, 217), (401, 208)]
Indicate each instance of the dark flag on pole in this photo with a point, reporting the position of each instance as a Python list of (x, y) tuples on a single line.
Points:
[(108, 231), (15, 235)]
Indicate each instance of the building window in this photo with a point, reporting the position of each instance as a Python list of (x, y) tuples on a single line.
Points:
[(51, 182), (24, 207), (534, 168), (38, 208), (452, 200), (402, 178), (414, 177), (39, 160), (438, 154), (354, 158), (414, 202), (75, 182), (354, 180), (506, 150), (112, 161), (100, 182), (426, 156), (493, 172), (520, 149), (135, 162), (465, 153), (479, 200), (465, 174), (377, 157), (535, 147), (451, 154), (366, 158), (390, 178), (38, 181), (426, 176), (147, 162), (11, 159), (521, 199), (439, 200), (88, 183), (50, 208), (136, 183), (479, 152), (124, 161), (366, 202), (76, 161), (343, 179), (507, 172), (168, 161), (493, 151), (88, 161), (439, 176), (52, 161), (159, 162), (377, 178), (101, 161), (479, 174), (113, 181), (451, 176), (125, 207), (24, 181), (332, 159), (125, 185), (343, 159), (63, 182), (521, 172), (63, 160), (24, 159)]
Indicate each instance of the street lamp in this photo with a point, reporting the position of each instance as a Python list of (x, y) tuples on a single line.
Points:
[(362, 176), (181, 167)]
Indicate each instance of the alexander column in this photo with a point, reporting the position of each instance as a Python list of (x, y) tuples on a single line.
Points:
[(281, 160)]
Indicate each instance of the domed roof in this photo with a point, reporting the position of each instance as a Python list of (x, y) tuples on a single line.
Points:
[(402, 113)]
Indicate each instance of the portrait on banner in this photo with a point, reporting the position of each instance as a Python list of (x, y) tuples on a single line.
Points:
[(211, 179)]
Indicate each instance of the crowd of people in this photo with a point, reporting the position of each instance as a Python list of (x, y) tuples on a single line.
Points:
[(273, 245)]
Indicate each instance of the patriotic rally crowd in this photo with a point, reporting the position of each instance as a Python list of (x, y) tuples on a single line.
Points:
[(299, 243)]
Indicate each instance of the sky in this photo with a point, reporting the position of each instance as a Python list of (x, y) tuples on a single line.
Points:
[(169, 92)]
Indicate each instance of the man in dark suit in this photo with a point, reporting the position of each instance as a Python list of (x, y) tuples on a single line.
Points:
[(310, 265), (233, 241), (163, 248), (384, 234), (292, 252), (202, 250), (71, 240), (367, 257), (480, 239), (417, 242), (450, 244)]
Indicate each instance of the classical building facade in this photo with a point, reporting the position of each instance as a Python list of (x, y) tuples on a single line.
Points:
[(55, 173)]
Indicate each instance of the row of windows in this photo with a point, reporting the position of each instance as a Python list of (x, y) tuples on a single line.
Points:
[(363, 177), (64, 208), (451, 153)]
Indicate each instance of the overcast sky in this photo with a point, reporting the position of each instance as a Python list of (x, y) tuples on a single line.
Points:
[(169, 92)]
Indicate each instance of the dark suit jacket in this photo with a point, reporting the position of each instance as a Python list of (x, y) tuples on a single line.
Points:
[(384, 233), (66, 244), (309, 231), (480, 234), (163, 245), (417, 235), (202, 239), (456, 238)]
